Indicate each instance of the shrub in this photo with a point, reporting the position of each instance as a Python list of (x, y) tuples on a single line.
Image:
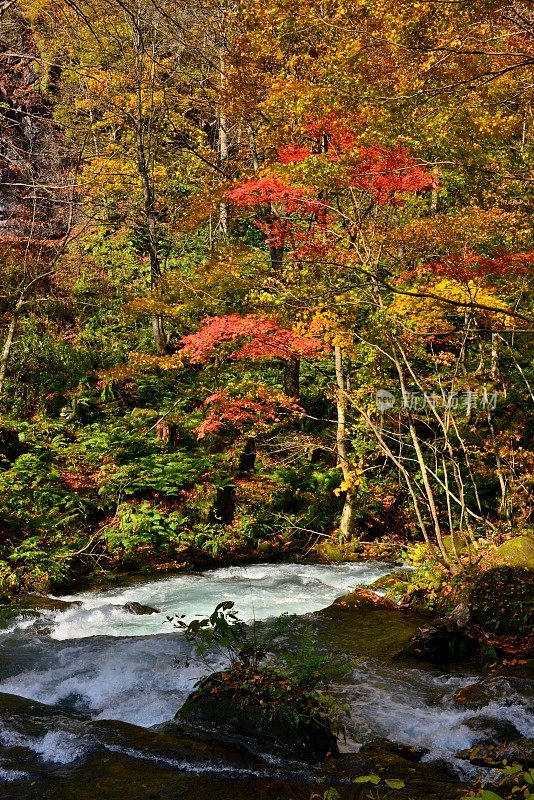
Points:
[(501, 600)]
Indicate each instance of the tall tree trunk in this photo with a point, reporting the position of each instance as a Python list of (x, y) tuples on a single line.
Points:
[(253, 151), (10, 337), (144, 156), (247, 458), (346, 526), (495, 358), (222, 126)]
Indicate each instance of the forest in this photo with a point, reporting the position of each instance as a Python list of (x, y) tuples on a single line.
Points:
[(266, 299)]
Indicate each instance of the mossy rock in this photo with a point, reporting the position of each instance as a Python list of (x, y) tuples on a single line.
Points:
[(332, 552), (393, 580), (517, 552), (501, 601), (311, 739)]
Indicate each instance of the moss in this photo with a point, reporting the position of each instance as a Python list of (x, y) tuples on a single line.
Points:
[(517, 552)]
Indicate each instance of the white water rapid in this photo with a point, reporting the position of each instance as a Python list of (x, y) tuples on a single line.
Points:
[(96, 661)]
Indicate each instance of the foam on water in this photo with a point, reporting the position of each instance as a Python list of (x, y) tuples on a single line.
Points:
[(12, 775), (135, 680), (58, 746), (260, 591), (416, 708), (101, 658), (187, 766)]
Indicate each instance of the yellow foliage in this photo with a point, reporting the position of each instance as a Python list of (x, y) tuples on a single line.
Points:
[(429, 315)]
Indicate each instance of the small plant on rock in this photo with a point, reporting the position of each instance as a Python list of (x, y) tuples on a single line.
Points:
[(287, 689)]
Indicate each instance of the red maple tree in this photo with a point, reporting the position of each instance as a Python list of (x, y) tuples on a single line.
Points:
[(238, 413), (266, 339), (387, 173)]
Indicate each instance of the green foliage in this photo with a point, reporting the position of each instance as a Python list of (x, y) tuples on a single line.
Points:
[(426, 587), (162, 474), (232, 638), (432, 214), (143, 526), (35, 498), (375, 780), (514, 783), (289, 684)]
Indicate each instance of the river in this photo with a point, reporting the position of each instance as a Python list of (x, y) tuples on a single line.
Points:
[(89, 692)]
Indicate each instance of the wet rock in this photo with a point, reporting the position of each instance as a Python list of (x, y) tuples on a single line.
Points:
[(482, 693), (424, 781), (519, 751), (311, 739), (43, 603), (391, 751), (492, 730), (447, 638), (140, 609), (358, 625)]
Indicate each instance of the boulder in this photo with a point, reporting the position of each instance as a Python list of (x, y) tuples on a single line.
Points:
[(517, 552), (10, 445), (519, 751), (447, 638), (481, 693), (500, 600), (310, 739), (139, 609), (491, 730)]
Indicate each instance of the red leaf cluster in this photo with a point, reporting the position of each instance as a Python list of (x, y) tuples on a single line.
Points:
[(275, 231), (293, 153), (271, 191), (238, 412), (387, 172), (266, 339), (281, 344), (469, 266), (340, 138)]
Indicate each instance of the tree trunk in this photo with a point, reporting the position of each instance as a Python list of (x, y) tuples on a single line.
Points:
[(346, 526), (6, 352), (253, 151), (222, 125), (495, 358), (159, 336), (247, 458), (144, 156), (292, 378)]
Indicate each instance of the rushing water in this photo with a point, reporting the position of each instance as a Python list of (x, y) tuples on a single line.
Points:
[(95, 666)]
